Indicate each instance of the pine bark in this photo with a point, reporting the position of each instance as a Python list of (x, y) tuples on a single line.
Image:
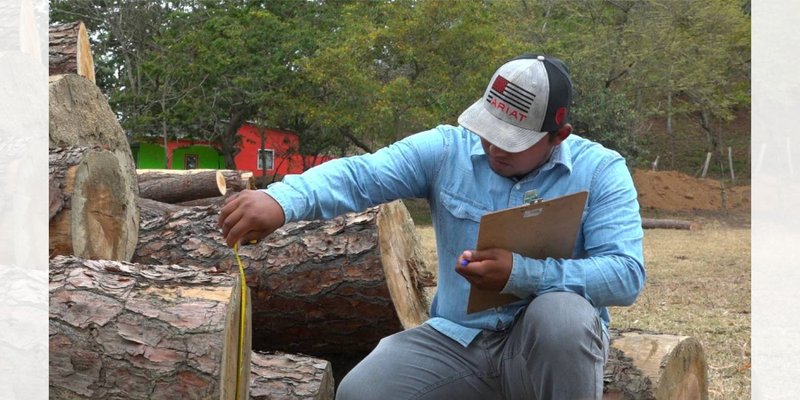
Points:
[(92, 213), (648, 367), (69, 51), (319, 287), (128, 331), (281, 376)]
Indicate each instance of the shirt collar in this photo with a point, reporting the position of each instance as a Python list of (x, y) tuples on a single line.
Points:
[(561, 155)]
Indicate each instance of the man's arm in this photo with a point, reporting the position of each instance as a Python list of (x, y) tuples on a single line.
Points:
[(402, 170)]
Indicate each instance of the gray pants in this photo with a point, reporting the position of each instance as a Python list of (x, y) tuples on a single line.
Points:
[(555, 350)]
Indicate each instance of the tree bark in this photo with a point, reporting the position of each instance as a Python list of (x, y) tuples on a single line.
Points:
[(69, 51), (128, 331), (319, 287), (281, 376), (184, 187), (645, 366), (235, 180), (652, 223), (92, 213)]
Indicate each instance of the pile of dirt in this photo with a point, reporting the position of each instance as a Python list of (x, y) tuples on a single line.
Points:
[(675, 191)]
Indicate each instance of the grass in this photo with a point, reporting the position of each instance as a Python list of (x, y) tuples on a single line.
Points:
[(698, 285)]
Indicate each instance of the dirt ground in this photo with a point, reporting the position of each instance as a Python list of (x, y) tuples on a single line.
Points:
[(698, 282)]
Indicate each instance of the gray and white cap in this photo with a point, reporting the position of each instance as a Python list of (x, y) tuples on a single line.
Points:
[(526, 98)]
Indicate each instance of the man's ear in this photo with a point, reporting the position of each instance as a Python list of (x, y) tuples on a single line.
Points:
[(562, 133)]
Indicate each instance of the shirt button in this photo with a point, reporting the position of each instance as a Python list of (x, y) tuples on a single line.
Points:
[(517, 186)]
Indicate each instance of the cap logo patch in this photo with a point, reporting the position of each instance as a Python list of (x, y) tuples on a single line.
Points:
[(510, 98)]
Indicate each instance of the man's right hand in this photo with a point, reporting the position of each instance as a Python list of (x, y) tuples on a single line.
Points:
[(250, 215)]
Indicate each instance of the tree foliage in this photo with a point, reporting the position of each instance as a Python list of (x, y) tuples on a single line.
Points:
[(360, 74)]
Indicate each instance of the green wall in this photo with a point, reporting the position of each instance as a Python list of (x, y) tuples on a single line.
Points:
[(150, 156), (207, 157)]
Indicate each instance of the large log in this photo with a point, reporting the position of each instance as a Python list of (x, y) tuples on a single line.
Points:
[(127, 331), (69, 51), (647, 366), (319, 287), (80, 116), (92, 213), (281, 376)]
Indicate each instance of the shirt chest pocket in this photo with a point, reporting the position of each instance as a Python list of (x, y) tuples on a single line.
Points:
[(459, 221)]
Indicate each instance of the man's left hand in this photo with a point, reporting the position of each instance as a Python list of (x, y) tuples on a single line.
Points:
[(486, 269)]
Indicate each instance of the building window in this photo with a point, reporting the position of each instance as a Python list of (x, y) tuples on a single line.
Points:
[(190, 161), (266, 159)]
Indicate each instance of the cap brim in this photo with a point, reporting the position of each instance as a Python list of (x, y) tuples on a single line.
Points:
[(506, 136)]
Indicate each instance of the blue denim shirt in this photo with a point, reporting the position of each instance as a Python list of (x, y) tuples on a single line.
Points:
[(448, 167)]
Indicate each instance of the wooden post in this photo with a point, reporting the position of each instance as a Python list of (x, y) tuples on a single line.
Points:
[(705, 165), (730, 164), (655, 163)]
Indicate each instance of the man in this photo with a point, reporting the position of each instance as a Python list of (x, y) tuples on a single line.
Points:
[(514, 141)]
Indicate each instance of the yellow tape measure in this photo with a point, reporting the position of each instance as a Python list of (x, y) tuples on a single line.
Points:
[(242, 312)]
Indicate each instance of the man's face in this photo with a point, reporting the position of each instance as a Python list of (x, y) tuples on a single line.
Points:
[(519, 164)]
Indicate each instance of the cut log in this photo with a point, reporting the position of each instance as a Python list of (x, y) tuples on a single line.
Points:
[(126, 331), (281, 376), (185, 187), (319, 287), (92, 213), (69, 50), (208, 201), (652, 223), (235, 180), (151, 210), (646, 366)]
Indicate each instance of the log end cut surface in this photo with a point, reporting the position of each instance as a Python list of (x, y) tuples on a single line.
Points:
[(93, 212), (662, 367), (403, 264)]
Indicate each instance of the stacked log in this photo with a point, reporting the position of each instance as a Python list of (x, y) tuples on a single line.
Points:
[(281, 376), (649, 366), (319, 287), (69, 51), (194, 187), (92, 213), (654, 223), (80, 117), (127, 331)]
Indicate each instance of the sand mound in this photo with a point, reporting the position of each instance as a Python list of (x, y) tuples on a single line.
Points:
[(675, 191)]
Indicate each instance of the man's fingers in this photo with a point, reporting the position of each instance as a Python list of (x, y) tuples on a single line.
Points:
[(228, 207)]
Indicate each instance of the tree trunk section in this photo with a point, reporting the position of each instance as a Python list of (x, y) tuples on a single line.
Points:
[(69, 51), (92, 213), (178, 188), (281, 376), (127, 331), (662, 367), (652, 223), (320, 287), (80, 116)]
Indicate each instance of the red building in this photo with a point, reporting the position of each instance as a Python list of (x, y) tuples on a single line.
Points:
[(279, 155)]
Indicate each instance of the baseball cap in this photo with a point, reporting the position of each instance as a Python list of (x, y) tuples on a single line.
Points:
[(526, 98)]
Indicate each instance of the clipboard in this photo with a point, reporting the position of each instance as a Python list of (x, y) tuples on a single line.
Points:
[(538, 230)]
